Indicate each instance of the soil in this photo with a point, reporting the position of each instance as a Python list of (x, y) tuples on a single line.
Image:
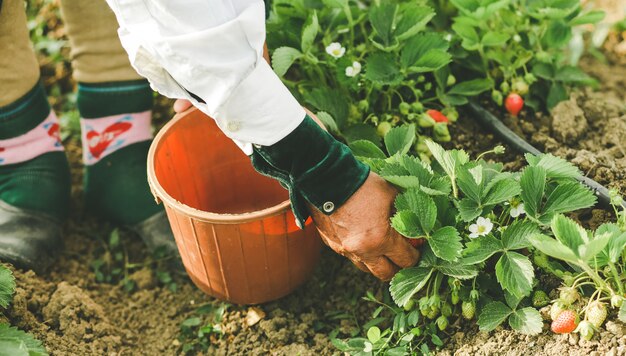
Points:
[(588, 130), (73, 314)]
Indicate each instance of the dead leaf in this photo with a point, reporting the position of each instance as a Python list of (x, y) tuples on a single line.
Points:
[(254, 315)]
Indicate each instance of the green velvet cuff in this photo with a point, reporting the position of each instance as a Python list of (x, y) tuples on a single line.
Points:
[(314, 167)]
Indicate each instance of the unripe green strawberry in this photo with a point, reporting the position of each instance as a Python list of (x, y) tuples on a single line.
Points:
[(404, 108), (424, 120), (417, 106), (474, 295), (617, 301), (556, 309), (540, 299), (568, 295), (441, 132), (585, 329), (520, 87), (383, 128), (451, 80), (409, 305), (468, 310), (596, 313), (454, 297), (432, 312), (541, 259), (446, 309), (565, 323), (364, 105), (442, 323)]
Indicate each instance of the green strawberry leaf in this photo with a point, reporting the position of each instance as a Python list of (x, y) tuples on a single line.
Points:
[(400, 139), (481, 248), (469, 209), (365, 148), (470, 181), (446, 243), (423, 206), (381, 68), (309, 32), (515, 273), (13, 347), (406, 223), (568, 197), (407, 282), (404, 182), (330, 123), (502, 191), (588, 251), (555, 167), (283, 58), (553, 248), (7, 286), (416, 168), (527, 321), (414, 19), (568, 232), (516, 235), (12, 334), (533, 184), (492, 315)]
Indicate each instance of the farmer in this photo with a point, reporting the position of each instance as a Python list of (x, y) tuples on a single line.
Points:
[(211, 54)]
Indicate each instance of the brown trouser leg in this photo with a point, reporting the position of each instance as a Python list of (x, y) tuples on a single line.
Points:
[(19, 70), (96, 52)]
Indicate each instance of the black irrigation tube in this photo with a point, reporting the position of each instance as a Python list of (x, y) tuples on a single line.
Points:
[(507, 135)]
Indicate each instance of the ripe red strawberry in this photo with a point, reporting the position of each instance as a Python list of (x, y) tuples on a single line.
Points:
[(565, 323), (417, 243), (514, 103), (468, 309), (596, 313), (438, 116)]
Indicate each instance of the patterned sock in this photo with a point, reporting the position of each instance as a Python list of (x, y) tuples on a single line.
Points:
[(34, 172), (116, 133)]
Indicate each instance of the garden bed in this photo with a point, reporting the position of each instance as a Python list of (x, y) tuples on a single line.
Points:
[(72, 313)]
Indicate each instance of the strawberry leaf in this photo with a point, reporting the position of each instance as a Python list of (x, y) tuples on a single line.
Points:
[(516, 235), (481, 248), (7, 286), (400, 139), (367, 149), (407, 282), (21, 340), (527, 321), (533, 184), (492, 315), (446, 243), (515, 273)]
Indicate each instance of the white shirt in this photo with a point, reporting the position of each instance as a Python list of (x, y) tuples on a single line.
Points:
[(213, 49)]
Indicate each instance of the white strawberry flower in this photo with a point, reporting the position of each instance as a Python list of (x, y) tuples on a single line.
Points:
[(482, 227), (336, 50), (517, 210), (353, 70)]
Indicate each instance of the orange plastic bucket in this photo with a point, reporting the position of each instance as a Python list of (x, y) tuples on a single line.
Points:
[(234, 227)]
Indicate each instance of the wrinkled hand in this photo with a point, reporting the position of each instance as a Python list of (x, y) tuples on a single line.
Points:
[(360, 230)]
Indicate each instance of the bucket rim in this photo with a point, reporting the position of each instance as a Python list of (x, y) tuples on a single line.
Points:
[(160, 194)]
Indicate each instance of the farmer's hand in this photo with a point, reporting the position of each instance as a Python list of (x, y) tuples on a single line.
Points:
[(360, 230)]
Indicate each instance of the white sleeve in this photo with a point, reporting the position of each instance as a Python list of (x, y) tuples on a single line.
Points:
[(213, 49)]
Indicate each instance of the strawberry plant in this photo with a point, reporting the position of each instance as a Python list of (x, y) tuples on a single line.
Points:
[(12, 340), (521, 47), (467, 213), (367, 67), (598, 257)]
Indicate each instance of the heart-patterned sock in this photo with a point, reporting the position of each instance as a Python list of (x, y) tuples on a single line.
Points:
[(116, 133), (34, 173)]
